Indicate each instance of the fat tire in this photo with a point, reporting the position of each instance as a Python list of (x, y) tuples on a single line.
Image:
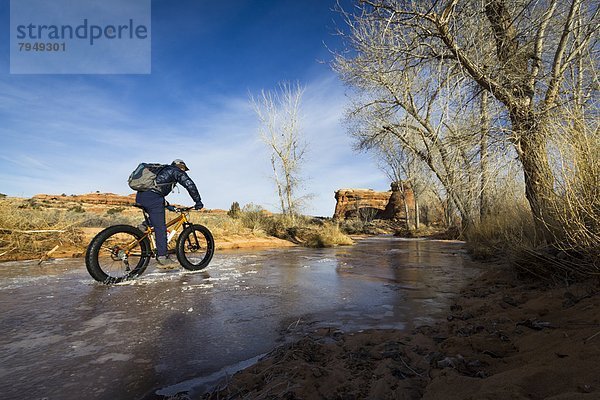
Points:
[(91, 256), (181, 242)]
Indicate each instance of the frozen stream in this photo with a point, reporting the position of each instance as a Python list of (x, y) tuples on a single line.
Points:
[(63, 336)]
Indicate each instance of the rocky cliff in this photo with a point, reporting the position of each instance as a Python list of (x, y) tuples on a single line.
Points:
[(98, 201), (350, 202), (370, 204), (395, 209), (90, 198)]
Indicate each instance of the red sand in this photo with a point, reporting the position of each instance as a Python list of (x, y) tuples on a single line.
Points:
[(503, 339)]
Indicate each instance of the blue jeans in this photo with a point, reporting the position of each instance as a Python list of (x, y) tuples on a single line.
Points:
[(154, 204)]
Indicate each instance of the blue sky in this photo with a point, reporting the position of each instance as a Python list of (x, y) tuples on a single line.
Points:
[(82, 133)]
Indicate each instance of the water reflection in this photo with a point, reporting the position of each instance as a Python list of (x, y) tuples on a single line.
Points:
[(423, 272), (61, 334)]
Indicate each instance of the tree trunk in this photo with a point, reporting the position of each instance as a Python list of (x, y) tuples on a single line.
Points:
[(448, 212), (518, 96), (484, 207), (417, 218), (402, 188), (288, 195), (407, 214), (539, 182), (278, 183)]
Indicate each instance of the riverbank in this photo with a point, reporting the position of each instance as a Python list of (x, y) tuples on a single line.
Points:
[(62, 226), (502, 338)]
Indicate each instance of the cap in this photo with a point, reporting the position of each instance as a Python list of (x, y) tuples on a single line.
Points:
[(179, 163)]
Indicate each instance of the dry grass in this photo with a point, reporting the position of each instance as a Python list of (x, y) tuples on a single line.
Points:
[(327, 235), (573, 249), (510, 235), (60, 223), (28, 230), (222, 225), (510, 227), (309, 232), (254, 221), (576, 213), (64, 224)]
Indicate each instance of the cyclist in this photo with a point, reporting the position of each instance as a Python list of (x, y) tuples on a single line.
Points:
[(154, 202)]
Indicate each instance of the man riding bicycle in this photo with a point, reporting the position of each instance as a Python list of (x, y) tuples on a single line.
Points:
[(153, 201)]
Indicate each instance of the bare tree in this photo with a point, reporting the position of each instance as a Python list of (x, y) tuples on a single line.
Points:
[(484, 197), (279, 114), (417, 104), (392, 161), (407, 171), (518, 51)]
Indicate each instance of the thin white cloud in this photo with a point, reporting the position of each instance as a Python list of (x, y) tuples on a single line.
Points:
[(25, 161)]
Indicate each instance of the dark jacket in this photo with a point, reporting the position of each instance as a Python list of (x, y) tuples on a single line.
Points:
[(169, 176)]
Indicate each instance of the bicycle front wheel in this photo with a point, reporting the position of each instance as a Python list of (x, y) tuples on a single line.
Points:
[(118, 253), (195, 247)]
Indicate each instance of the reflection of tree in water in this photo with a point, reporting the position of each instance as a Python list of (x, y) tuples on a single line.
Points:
[(423, 273)]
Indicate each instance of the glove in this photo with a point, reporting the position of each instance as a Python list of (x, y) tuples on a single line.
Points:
[(199, 206), (170, 208)]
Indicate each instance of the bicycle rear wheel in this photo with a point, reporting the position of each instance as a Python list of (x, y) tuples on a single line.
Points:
[(118, 253), (195, 247)]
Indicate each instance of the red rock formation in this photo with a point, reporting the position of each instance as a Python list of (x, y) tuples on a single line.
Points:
[(369, 204), (350, 201), (395, 208), (110, 199), (91, 198)]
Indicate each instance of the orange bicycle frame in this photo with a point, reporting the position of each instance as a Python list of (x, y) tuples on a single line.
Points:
[(175, 224)]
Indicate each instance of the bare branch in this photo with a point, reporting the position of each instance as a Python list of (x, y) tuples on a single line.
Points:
[(557, 65)]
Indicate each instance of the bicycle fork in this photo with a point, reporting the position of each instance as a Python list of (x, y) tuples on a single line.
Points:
[(195, 245)]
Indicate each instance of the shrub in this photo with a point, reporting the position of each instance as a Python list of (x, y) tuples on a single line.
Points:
[(116, 210), (279, 226), (77, 209), (254, 217), (327, 235), (30, 203), (234, 210), (573, 218), (353, 226)]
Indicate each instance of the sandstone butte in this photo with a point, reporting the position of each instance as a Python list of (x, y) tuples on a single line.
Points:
[(351, 203)]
